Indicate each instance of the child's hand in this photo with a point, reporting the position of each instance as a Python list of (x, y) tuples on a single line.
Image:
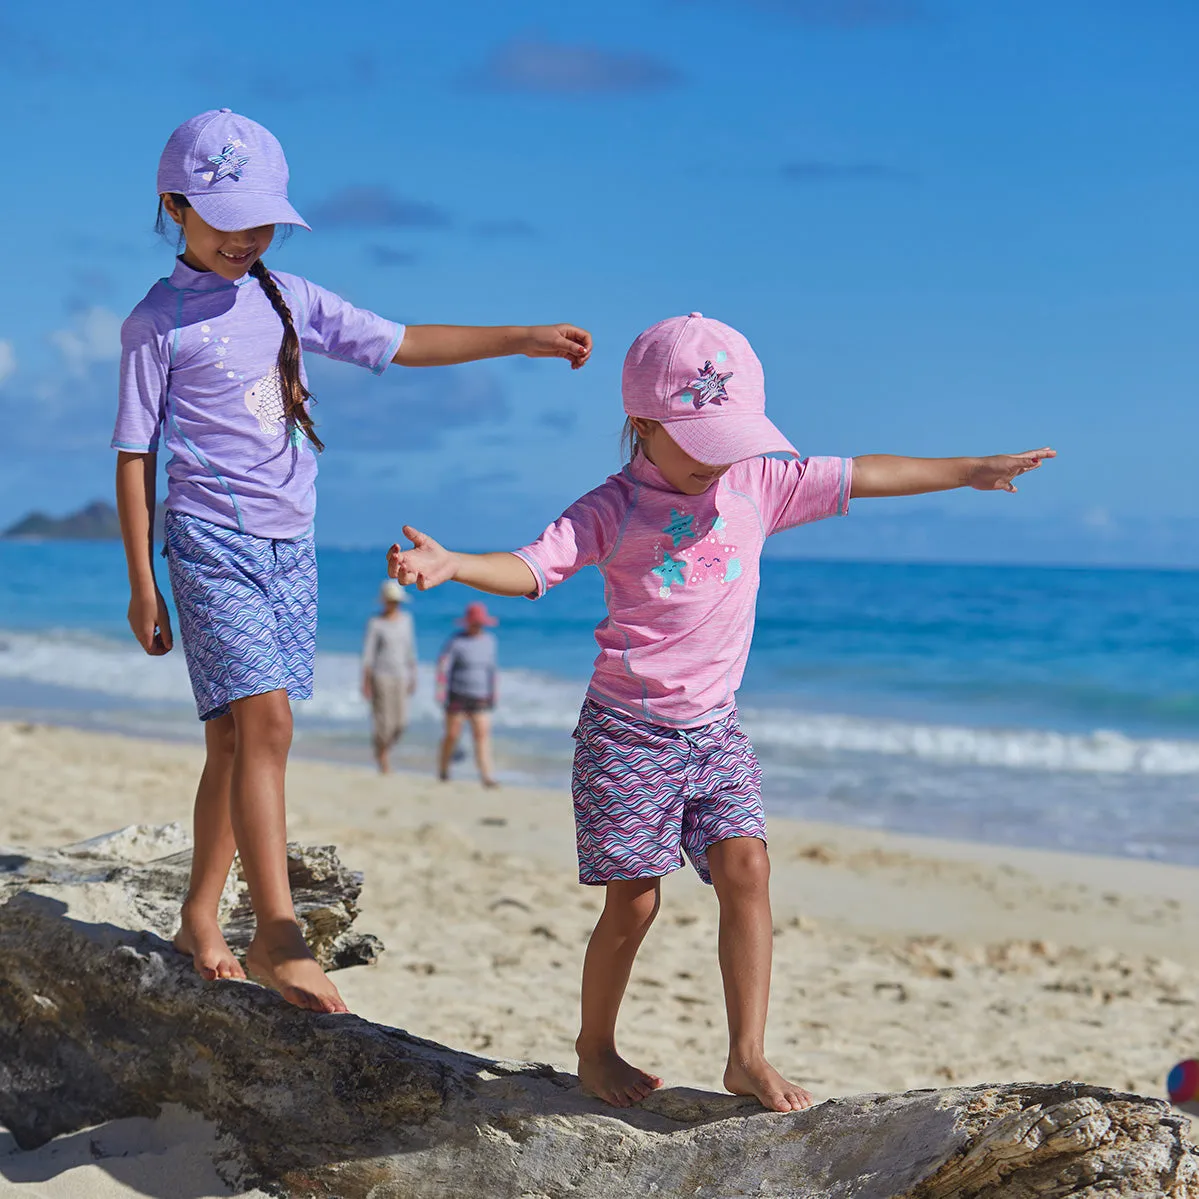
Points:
[(559, 341), (150, 621), (997, 472), (427, 563)]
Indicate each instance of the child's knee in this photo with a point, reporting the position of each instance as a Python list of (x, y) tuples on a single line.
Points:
[(265, 721), (220, 738), (632, 908), (740, 864)]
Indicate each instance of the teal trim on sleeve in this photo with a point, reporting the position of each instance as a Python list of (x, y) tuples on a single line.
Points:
[(542, 583), (391, 353), (130, 448), (842, 493)]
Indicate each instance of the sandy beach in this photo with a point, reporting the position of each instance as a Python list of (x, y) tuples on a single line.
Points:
[(901, 962)]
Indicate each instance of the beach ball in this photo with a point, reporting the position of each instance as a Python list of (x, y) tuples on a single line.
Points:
[(1183, 1082)]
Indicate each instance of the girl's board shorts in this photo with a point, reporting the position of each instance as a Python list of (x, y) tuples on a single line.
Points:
[(247, 611), (645, 794)]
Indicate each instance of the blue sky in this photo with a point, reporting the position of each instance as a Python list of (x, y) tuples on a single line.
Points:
[(947, 226)]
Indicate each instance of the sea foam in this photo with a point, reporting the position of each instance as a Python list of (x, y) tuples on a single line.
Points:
[(112, 671)]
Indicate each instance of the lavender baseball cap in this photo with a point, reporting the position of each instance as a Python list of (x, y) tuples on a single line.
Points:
[(702, 381), (231, 170)]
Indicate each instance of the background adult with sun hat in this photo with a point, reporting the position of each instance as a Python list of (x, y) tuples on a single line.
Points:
[(389, 670), (212, 364), (467, 681)]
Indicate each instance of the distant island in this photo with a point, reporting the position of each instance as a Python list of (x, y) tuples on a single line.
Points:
[(96, 521)]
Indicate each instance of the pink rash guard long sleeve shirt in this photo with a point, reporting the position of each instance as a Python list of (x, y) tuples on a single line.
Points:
[(681, 576)]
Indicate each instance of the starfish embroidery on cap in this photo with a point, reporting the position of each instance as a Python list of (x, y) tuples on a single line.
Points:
[(671, 571), (679, 527), (229, 162), (708, 386)]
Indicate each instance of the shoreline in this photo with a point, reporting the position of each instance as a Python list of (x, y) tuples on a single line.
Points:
[(538, 758)]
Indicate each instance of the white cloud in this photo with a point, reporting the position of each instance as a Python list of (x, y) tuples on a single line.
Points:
[(95, 336), (525, 65), (8, 360)]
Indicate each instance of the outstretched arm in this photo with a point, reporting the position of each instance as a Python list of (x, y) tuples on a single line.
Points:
[(887, 474), (429, 564), (445, 345)]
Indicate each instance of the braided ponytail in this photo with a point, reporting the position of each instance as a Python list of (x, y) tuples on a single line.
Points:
[(295, 394)]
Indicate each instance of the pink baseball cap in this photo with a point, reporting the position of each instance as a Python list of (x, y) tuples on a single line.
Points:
[(231, 170), (703, 382)]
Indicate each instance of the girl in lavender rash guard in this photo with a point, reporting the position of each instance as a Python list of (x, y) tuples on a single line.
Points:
[(661, 766), (211, 366)]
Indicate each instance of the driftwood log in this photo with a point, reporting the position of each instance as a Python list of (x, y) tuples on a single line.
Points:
[(100, 1019)]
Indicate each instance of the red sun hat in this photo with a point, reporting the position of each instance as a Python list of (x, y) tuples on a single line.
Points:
[(476, 613), (701, 380)]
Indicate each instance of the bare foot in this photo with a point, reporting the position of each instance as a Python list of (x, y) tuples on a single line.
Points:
[(279, 958), (200, 937), (607, 1076), (757, 1077)]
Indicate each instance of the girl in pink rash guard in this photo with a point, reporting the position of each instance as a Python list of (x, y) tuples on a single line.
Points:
[(661, 766), (212, 365)]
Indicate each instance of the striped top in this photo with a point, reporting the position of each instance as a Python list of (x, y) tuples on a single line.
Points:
[(681, 576)]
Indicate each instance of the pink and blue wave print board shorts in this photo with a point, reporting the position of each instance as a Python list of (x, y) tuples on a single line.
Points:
[(645, 794), (247, 611)]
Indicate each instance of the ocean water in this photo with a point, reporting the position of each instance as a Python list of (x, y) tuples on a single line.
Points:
[(1045, 707)]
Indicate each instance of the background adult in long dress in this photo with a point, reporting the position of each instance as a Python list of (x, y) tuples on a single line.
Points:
[(466, 685), (389, 670)]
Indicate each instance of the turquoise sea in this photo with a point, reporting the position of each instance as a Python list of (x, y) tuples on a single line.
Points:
[(1046, 707)]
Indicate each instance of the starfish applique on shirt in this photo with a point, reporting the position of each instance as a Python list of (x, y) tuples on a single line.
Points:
[(708, 386), (671, 571), (679, 527), (229, 162)]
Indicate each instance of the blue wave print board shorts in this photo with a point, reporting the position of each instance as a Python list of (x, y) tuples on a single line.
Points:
[(645, 794), (247, 611)]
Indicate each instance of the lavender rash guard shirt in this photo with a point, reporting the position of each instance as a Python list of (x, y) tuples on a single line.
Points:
[(681, 576), (198, 369)]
